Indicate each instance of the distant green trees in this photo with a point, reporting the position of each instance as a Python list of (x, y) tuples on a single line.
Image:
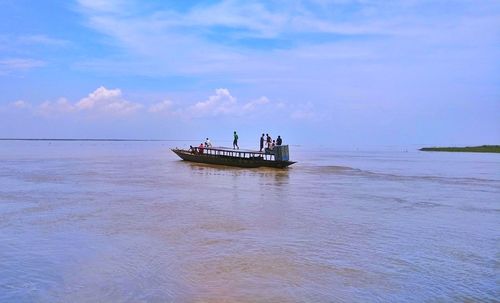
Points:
[(471, 149)]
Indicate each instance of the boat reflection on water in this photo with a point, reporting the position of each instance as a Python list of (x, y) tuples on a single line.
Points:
[(265, 174)]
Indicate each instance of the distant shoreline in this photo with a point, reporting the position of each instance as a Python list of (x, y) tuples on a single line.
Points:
[(469, 149), (90, 139)]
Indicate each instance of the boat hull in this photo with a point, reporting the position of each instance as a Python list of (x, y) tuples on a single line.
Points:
[(230, 161)]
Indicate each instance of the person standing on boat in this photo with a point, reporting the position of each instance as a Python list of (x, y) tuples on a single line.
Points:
[(200, 148), (279, 141), (208, 143), (268, 140), (261, 142), (235, 141)]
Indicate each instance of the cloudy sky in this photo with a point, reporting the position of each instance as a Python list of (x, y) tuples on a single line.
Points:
[(332, 72)]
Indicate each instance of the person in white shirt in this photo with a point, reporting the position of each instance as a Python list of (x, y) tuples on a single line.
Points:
[(208, 143)]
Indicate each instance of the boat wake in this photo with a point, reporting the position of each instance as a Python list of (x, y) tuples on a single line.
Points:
[(345, 170)]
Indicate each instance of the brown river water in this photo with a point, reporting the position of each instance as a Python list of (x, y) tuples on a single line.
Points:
[(130, 222)]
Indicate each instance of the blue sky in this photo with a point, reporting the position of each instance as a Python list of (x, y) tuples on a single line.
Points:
[(332, 72)]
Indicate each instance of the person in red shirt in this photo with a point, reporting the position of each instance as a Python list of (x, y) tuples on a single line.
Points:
[(200, 148)]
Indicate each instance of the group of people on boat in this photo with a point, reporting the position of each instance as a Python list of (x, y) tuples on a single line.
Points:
[(270, 143), (266, 143), (201, 147)]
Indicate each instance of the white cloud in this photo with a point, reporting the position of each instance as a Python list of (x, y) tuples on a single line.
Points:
[(169, 40), (61, 106), (255, 104), (220, 103), (20, 104), (107, 101), (10, 65), (254, 17), (104, 102), (161, 107), (102, 6), (101, 102), (223, 103)]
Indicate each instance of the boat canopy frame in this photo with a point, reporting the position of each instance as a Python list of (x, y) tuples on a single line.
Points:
[(278, 157), (235, 153)]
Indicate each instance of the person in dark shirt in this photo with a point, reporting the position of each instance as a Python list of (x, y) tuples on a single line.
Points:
[(279, 141), (268, 140), (261, 142), (235, 141)]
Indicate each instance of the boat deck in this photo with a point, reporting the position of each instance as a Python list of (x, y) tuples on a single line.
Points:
[(229, 149)]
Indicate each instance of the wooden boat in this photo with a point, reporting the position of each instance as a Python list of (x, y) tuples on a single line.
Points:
[(278, 157)]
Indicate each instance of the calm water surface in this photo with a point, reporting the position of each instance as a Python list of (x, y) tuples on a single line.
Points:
[(129, 222)]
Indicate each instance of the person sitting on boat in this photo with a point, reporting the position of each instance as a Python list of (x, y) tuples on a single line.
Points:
[(192, 149), (208, 143), (200, 148), (270, 148), (279, 141), (270, 142)]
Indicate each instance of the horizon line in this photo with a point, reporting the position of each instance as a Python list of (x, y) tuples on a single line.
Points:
[(86, 139)]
